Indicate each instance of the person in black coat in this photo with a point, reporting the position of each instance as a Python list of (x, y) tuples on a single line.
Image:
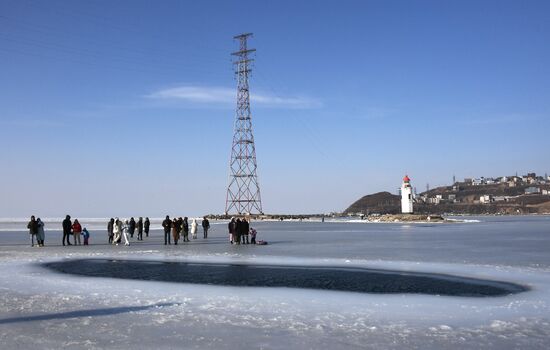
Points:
[(238, 230), (146, 226), (167, 225), (231, 227), (205, 227), (185, 229), (132, 227), (67, 227), (110, 232), (245, 226), (140, 229), (33, 230)]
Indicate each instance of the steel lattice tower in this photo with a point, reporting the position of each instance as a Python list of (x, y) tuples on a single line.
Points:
[(243, 192)]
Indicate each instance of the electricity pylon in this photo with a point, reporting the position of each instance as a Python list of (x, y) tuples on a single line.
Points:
[(243, 193)]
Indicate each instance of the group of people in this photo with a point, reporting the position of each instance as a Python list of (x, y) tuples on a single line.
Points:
[(74, 229), (179, 226), (240, 230), (118, 229), (36, 230)]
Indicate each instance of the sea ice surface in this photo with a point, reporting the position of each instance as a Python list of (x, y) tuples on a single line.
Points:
[(41, 308)]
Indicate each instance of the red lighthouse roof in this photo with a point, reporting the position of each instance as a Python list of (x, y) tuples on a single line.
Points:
[(406, 179)]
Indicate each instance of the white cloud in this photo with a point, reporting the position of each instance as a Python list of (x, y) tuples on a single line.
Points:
[(224, 95)]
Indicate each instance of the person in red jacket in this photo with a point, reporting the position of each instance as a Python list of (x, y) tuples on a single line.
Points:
[(77, 230)]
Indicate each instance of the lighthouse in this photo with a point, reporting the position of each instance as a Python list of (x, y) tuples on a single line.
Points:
[(406, 196)]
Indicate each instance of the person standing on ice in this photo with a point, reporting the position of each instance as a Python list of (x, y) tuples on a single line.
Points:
[(117, 231), (33, 229), (231, 227), (132, 227), (110, 228), (194, 228), (86, 236), (67, 226), (140, 229), (167, 225), (238, 230), (125, 232), (146, 226), (253, 234), (175, 231), (40, 236), (77, 229), (244, 231), (185, 229), (205, 227)]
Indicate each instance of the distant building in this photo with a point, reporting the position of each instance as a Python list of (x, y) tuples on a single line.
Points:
[(406, 196), (477, 182), (485, 199), (546, 192), (532, 190)]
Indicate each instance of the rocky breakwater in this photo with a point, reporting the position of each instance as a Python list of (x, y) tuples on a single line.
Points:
[(409, 218)]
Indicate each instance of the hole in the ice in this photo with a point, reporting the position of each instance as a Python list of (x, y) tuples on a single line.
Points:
[(325, 278)]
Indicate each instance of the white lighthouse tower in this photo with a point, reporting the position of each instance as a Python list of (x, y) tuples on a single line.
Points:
[(406, 196)]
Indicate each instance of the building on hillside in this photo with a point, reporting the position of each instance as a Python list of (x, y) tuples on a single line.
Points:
[(485, 199), (532, 190), (406, 196), (478, 182)]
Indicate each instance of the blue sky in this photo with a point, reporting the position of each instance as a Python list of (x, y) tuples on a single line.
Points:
[(125, 107)]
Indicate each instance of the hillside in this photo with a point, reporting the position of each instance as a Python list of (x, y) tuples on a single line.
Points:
[(463, 198), (379, 203)]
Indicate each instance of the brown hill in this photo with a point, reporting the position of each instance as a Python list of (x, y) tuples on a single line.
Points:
[(377, 203)]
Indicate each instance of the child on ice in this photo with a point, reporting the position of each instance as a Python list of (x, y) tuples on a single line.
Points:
[(86, 235), (253, 234)]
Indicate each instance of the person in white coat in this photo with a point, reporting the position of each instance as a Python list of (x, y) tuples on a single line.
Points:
[(194, 228), (117, 231), (126, 232)]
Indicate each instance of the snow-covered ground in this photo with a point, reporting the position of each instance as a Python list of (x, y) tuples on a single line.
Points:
[(44, 309)]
